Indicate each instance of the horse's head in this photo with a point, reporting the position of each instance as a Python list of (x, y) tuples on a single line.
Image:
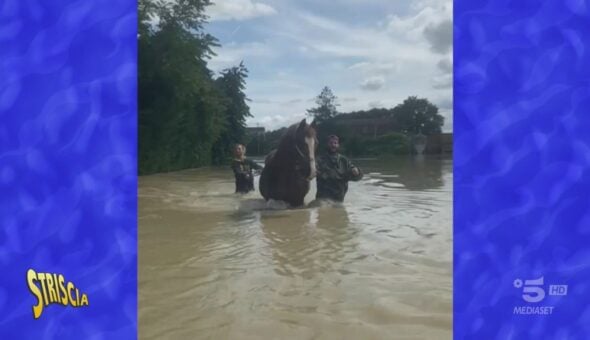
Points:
[(305, 145)]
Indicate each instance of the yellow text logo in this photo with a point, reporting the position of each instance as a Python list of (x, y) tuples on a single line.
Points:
[(52, 288)]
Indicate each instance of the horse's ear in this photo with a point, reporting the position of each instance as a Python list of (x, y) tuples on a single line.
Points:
[(314, 124), (302, 125)]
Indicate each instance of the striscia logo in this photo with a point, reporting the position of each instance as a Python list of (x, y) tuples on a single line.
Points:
[(51, 288)]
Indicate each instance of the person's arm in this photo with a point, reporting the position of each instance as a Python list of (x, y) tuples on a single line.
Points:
[(354, 173), (330, 171)]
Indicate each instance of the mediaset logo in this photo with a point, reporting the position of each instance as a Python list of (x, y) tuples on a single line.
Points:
[(533, 292), (52, 288)]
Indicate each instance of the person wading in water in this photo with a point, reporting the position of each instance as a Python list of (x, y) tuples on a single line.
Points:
[(242, 168), (333, 173)]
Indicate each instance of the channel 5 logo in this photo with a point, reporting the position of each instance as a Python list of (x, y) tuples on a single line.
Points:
[(533, 291)]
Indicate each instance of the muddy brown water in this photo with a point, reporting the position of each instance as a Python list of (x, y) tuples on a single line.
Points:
[(215, 265)]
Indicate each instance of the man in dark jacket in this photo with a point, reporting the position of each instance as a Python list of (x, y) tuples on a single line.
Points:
[(333, 173), (242, 168)]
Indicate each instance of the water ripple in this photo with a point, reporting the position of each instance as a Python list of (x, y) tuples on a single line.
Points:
[(217, 264)]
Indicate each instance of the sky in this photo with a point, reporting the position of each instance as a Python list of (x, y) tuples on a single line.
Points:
[(371, 53)]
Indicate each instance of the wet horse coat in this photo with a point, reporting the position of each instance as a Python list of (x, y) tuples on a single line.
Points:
[(291, 166)]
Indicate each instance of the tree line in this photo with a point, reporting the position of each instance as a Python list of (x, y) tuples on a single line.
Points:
[(188, 116), (414, 116)]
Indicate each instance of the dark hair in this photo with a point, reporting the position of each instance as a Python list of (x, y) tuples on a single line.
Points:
[(333, 137)]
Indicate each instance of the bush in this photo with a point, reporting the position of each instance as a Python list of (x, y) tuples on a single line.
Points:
[(393, 143), (390, 144)]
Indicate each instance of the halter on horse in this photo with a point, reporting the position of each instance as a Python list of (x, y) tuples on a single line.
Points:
[(289, 169)]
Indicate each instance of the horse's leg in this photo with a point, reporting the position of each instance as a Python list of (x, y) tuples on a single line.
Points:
[(297, 202), (297, 189), (271, 185), (263, 184)]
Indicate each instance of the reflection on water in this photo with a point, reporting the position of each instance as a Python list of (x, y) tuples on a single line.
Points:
[(412, 173), (214, 265), (314, 248)]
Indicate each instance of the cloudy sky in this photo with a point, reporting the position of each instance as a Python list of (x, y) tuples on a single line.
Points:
[(371, 53)]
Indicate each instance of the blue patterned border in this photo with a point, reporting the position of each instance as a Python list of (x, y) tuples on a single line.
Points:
[(522, 175), (68, 164)]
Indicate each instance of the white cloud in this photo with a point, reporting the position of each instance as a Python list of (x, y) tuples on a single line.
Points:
[(222, 10), (411, 26), (440, 36), (231, 54), (417, 5), (442, 82), (373, 83), (276, 120), (296, 52), (274, 108), (445, 65), (444, 103), (376, 67), (332, 38)]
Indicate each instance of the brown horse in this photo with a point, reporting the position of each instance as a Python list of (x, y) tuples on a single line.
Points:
[(291, 166)]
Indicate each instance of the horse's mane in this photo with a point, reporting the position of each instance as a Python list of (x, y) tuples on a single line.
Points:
[(282, 155), (288, 138)]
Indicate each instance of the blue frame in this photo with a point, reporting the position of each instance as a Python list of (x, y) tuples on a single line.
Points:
[(68, 173), (522, 179), (68, 135)]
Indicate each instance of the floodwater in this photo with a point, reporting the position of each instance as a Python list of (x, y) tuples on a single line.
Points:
[(215, 265)]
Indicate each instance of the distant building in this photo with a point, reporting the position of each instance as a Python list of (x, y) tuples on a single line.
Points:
[(440, 143)]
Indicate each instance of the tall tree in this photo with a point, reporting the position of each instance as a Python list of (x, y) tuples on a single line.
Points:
[(181, 110), (326, 103), (418, 115), (232, 83)]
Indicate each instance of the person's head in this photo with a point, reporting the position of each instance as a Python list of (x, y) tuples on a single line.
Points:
[(333, 143), (239, 150)]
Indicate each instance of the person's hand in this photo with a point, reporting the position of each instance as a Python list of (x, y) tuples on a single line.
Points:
[(355, 171)]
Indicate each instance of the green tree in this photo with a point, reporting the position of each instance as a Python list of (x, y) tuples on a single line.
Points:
[(326, 103), (418, 115), (181, 109), (272, 139), (186, 117), (232, 84), (188, 14)]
